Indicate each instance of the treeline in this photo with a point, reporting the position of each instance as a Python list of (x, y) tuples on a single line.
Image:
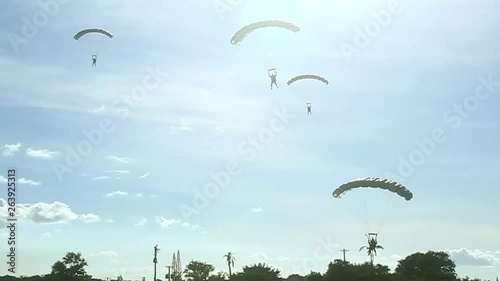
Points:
[(430, 266)]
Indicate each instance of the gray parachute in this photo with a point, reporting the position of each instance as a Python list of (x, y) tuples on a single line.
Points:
[(92, 30), (246, 30), (374, 182)]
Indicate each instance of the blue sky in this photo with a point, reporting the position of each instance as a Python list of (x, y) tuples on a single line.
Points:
[(206, 102)]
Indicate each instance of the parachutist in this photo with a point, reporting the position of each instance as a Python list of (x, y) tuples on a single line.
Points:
[(372, 246), (309, 108), (272, 74), (84, 32)]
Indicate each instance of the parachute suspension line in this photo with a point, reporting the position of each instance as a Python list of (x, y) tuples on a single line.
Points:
[(388, 216), (367, 221), (386, 204), (297, 95), (374, 182)]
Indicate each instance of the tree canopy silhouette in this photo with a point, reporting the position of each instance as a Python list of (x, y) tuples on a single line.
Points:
[(429, 266)]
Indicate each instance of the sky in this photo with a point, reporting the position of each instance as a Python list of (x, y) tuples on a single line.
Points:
[(176, 139)]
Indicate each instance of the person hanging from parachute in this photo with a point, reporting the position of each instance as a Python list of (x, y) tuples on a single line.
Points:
[(272, 73), (84, 32), (309, 108), (372, 241), (372, 246)]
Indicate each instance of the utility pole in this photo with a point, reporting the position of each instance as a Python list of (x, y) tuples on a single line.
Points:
[(343, 252), (168, 274), (155, 260)]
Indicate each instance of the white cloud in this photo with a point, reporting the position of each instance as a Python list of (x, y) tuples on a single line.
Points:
[(98, 110), (261, 257), (119, 159), (174, 130), (191, 226), (219, 129), (90, 218), (164, 223), (21, 181), (101, 178), (256, 210), (120, 172), (41, 153), (145, 175), (30, 182), (391, 261), (108, 253), (282, 258), (475, 257), (116, 193), (153, 196), (109, 221), (45, 213), (10, 149), (46, 235), (141, 222)]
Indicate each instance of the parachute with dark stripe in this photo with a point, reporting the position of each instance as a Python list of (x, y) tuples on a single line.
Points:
[(246, 30), (374, 182), (92, 30), (307, 76)]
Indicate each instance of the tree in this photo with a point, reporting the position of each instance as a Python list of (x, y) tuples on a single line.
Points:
[(72, 267), (198, 271), (59, 268), (467, 278), (369, 271), (314, 276), (230, 262), (176, 267), (339, 270), (431, 266), (260, 272), (220, 276)]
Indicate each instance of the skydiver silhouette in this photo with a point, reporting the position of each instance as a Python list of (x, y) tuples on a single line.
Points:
[(94, 60), (372, 243), (309, 108), (273, 79)]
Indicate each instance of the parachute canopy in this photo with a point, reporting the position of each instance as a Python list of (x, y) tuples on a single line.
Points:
[(246, 30), (93, 30), (307, 76), (374, 182)]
